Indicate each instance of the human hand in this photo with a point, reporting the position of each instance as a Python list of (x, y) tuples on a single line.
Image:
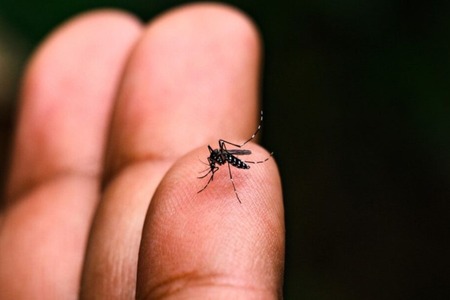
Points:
[(102, 193)]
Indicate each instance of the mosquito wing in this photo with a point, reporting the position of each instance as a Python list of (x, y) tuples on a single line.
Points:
[(239, 152)]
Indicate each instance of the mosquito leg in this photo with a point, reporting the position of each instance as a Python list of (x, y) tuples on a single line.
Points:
[(232, 182), (210, 179), (222, 142), (214, 169), (259, 161), (200, 177)]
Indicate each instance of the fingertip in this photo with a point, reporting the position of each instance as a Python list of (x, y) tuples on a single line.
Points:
[(70, 49), (225, 20), (72, 58), (214, 30), (258, 187), (224, 48), (209, 238)]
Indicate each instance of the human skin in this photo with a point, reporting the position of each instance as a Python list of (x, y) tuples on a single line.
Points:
[(102, 198)]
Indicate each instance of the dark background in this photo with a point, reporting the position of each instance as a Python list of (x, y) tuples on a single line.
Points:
[(356, 101)]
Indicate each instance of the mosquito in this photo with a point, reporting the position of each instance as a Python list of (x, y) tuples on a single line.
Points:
[(223, 155)]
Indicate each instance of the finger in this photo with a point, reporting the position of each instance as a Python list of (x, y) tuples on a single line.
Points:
[(208, 245), (67, 96), (192, 78)]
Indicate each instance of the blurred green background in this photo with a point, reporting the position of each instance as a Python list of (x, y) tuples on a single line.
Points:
[(356, 100)]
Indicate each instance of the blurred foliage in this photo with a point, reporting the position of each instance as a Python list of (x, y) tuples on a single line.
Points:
[(356, 98)]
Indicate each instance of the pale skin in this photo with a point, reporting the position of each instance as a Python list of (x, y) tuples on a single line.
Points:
[(102, 198)]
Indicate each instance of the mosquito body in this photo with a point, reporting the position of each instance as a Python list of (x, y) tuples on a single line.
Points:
[(222, 155)]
